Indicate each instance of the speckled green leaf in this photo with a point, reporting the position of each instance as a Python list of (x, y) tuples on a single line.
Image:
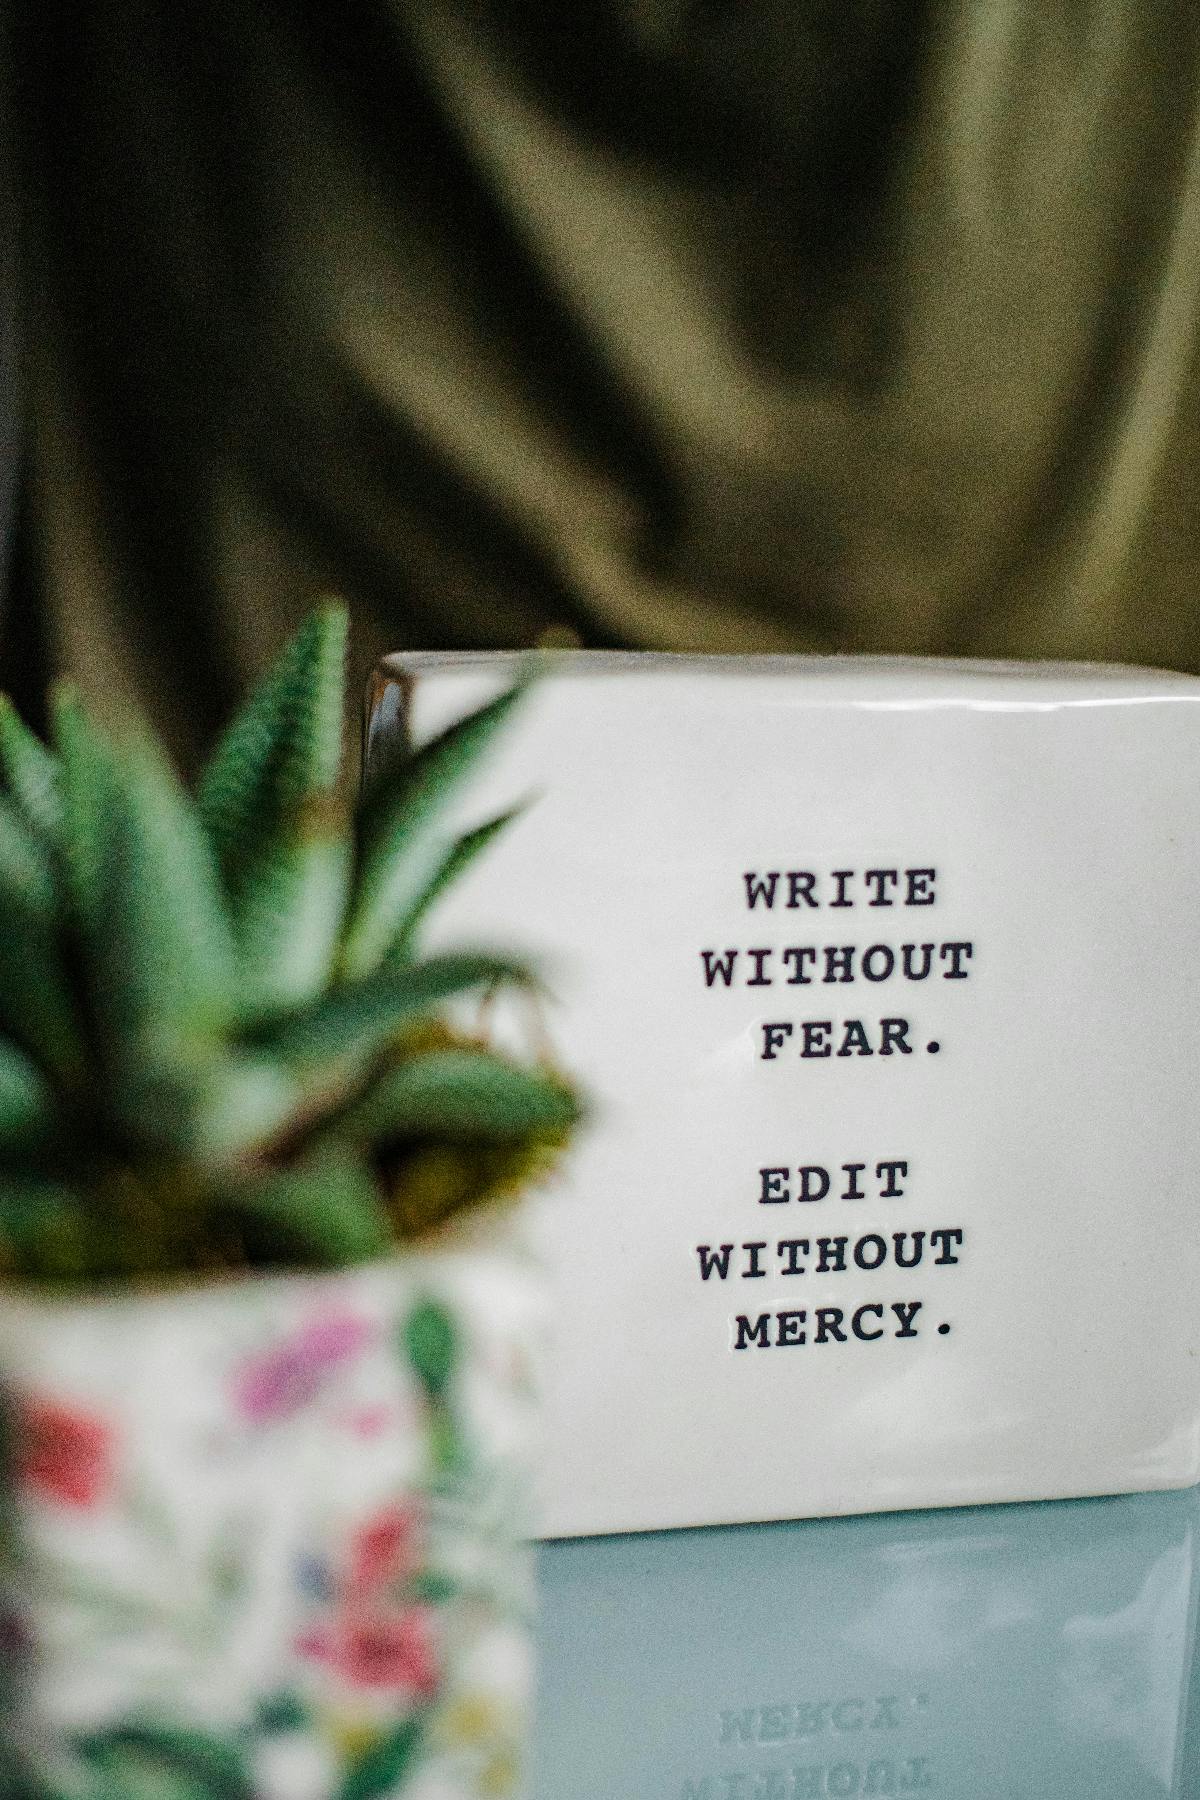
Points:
[(31, 773), (289, 918), (35, 999), (404, 831), (283, 748), (245, 1100), (26, 1103), (325, 1210), (186, 1026), (144, 890), (453, 865), (357, 1020), (18, 1781), (463, 1093), (27, 875), (207, 1104)]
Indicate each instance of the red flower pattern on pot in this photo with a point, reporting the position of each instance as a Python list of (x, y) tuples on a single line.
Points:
[(385, 1550), (383, 1649), (64, 1453), (379, 1636)]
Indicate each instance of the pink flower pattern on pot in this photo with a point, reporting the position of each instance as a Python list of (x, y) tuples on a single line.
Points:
[(280, 1381)]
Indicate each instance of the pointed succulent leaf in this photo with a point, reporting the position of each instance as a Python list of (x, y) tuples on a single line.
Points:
[(290, 915), (454, 863), (31, 773), (26, 866), (357, 1019), (36, 1007), (463, 1093), (204, 1107), (324, 1210), (283, 748), (147, 899), (89, 795), (404, 829), (248, 1102), (26, 1103)]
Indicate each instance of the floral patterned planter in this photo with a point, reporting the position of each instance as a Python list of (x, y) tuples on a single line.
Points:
[(263, 1537)]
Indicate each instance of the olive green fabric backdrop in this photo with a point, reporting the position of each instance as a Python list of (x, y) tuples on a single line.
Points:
[(804, 324)]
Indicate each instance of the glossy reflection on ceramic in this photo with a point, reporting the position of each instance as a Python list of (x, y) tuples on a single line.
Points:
[(1018, 1653)]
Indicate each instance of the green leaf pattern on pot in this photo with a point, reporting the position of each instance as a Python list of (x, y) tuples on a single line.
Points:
[(247, 1562)]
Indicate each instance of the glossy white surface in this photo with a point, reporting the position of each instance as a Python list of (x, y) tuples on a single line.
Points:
[(1055, 1126)]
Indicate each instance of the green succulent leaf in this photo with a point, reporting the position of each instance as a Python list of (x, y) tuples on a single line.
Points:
[(247, 1102), (290, 916), (26, 868), (90, 786), (208, 1106), (35, 998), (325, 1210), (144, 892), (356, 1020), (403, 831), (463, 1093), (453, 865), (18, 1780), (31, 774), (26, 1103), (283, 749)]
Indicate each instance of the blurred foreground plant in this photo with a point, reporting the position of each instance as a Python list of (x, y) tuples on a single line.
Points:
[(219, 1047)]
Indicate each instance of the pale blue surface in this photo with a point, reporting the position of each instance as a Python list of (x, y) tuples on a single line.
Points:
[(1010, 1653)]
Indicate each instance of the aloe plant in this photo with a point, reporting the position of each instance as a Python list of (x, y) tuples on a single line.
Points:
[(220, 1045)]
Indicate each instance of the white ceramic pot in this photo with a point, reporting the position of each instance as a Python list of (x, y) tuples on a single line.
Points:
[(267, 1535)]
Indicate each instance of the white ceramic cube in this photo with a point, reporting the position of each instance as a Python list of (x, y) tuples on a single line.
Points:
[(885, 979)]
